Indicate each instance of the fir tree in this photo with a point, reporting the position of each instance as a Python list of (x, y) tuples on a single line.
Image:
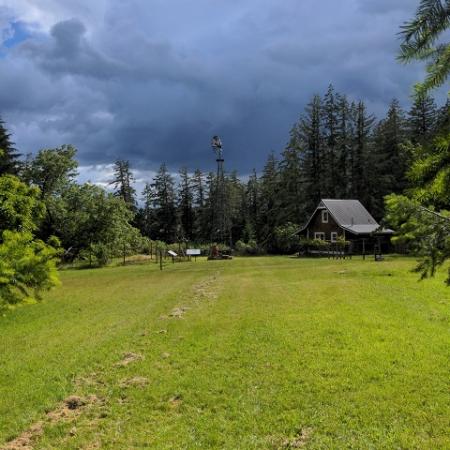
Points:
[(9, 158), (165, 223), (185, 200), (123, 183), (422, 119)]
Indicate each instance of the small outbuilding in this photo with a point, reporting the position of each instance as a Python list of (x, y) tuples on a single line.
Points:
[(347, 219)]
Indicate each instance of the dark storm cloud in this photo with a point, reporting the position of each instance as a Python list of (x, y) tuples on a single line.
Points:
[(153, 81)]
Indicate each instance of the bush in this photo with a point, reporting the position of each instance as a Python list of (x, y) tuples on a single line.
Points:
[(248, 249), (27, 267)]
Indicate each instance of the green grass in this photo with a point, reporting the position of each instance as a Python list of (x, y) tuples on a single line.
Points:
[(356, 354)]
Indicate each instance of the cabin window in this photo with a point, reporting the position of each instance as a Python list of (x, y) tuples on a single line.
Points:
[(333, 236), (319, 235), (324, 216)]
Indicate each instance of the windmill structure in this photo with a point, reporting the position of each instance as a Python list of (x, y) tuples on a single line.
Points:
[(221, 233)]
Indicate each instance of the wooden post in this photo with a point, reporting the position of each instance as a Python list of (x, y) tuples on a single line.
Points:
[(160, 260), (364, 249)]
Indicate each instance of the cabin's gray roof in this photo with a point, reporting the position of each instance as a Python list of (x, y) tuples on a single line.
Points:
[(351, 215)]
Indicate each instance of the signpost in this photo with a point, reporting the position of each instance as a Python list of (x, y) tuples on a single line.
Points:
[(193, 252)]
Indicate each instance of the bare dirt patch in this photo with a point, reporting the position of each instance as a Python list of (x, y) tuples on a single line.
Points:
[(299, 440), (26, 439), (129, 358), (134, 382), (66, 411), (178, 312)]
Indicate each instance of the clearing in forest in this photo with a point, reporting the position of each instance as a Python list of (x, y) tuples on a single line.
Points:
[(267, 352)]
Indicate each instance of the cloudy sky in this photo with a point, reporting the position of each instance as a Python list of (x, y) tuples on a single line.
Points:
[(153, 80)]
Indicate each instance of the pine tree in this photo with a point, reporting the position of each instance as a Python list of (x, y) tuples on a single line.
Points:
[(9, 158), (290, 179), (201, 213), (185, 201), (123, 183), (330, 139), (269, 206), (251, 206), (390, 137), (311, 145), (165, 223), (344, 146), (364, 124), (145, 214), (422, 119)]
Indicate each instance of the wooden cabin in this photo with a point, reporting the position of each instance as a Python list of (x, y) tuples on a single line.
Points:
[(347, 219)]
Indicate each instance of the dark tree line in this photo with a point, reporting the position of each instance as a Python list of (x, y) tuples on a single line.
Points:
[(337, 149)]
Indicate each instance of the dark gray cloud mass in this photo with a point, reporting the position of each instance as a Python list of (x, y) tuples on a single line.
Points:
[(152, 81)]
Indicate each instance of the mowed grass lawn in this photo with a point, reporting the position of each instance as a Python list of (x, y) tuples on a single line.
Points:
[(268, 353)]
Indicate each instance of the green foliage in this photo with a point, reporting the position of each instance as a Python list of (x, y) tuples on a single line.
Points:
[(95, 225), (421, 42), (427, 232), (9, 158), (27, 267), (286, 238), (52, 170), (20, 207), (430, 172), (249, 248)]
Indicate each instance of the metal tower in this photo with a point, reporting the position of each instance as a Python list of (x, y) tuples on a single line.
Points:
[(220, 224)]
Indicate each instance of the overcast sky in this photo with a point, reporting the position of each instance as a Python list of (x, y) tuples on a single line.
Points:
[(153, 80)]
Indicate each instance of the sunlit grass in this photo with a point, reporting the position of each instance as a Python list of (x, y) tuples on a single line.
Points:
[(269, 353)]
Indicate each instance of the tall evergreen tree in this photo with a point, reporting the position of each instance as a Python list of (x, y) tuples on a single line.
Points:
[(311, 145), (359, 169), (392, 137), (269, 197), (123, 183), (185, 204), (145, 216), (330, 139), (165, 223), (422, 119), (344, 141), (9, 158)]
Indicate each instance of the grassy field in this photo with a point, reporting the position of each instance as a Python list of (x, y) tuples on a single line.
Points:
[(256, 353)]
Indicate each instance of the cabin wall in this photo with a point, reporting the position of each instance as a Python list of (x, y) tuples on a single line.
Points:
[(316, 225)]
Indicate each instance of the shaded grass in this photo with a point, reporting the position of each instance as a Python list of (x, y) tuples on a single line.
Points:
[(357, 352)]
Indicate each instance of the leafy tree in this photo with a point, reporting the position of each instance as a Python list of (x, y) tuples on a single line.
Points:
[(421, 42), (123, 183), (286, 238), (52, 170), (9, 158), (27, 266), (20, 205), (94, 224)]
